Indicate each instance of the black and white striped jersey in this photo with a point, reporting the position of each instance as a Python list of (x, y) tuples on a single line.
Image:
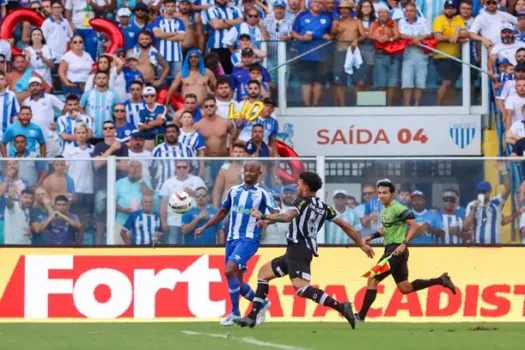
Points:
[(304, 228)]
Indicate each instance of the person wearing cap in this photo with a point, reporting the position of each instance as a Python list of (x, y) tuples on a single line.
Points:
[(44, 106), (123, 128), (129, 31), (506, 49), (241, 74), (136, 151), (221, 18), (431, 224), (19, 77), (72, 118), (509, 88), (57, 30), (253, 26), (170, 32), (130, 71), (488, 24), (276, 233), (152, 118), (334, 234), (484, 216), (452, 222), (245, 41), (448, 30)]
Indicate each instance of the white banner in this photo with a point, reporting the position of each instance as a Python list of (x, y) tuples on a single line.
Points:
[(446, 135)]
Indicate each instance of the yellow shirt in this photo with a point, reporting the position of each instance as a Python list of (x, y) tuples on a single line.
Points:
[(448, 29)]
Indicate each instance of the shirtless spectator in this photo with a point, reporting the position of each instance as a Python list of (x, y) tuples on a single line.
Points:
[(193, 22), (347, 31), (190, 105), (194, 78), (18, 78), (224, 97), (149, 59), (229, 175), (59, 182)]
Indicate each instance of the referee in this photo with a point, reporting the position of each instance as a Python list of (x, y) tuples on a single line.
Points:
[(396, 219), (306, 217)]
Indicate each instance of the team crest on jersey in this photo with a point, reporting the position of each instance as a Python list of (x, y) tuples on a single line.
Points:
[(462, 134), (323, 21)]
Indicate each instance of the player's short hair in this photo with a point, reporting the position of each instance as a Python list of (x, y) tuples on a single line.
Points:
[(386, 183), (312, 180), (61, 198)]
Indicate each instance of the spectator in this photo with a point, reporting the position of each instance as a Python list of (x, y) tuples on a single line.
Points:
[(46, 8), (255, 72), (39, 214), (465, 12), (245, 41), (509, 87), (113, 66), (72, 118), (253, 95), (431, 230), (448, 30), (223, 97), (152, 118), (57, 30), (3, 60), (518, 148), (276, 233), (253, 26), (135, 103), (20, 76), (105, 9), (17, 217), (212, 61), (143, 226), (403, 196), (25, 127), (334, 234), (193, 139), (519, 32), (130, 71), (149, 59), (34, 171), (514, 105), (268, 121), (43, 106), (74, 67), (241, 74), (108, 147), (8, 99), (229, 174), (387, 66), (294, 8), (193, 23), (129, 31), (137, 152), (452, 223), (78, 13), (351, 202), (81, 172), (347, 31), (516, 130), (140, 16), (10, 182), (484, 215), (129, 193), (506, 49), (59, 183), (170, 32), (415, 61), (182, 181), (220, 19), (369, 210), (190, 105), (256, 147), (197, 217), (488, 24), (172, 149), (64, 227), (309, 28), (122, 127), (39, 55), (194, 78), (215, 131), (99, 102)]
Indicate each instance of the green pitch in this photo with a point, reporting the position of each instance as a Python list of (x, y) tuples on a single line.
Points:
[(284, 336)]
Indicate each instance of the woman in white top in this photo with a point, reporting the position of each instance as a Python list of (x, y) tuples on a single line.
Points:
[(39, 55), (75, 67), (113, 65)]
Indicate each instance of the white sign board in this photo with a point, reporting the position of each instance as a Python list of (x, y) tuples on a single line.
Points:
[(446, 135)]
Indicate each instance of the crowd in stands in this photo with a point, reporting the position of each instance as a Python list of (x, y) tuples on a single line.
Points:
[(65, 97)]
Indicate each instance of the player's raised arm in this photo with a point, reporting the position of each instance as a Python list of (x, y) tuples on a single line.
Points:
[(350, 232)]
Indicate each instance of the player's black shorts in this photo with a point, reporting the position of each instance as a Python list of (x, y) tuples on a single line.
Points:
[(295, 262), (398, 265)]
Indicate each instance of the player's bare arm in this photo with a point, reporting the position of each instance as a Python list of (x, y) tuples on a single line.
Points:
[(286, 216)]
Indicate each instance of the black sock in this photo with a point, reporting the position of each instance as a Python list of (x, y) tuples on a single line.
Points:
[(370, 297), (259, 299), (320, 297), (422, 284)]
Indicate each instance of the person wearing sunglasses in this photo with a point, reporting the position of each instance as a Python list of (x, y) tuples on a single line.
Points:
[(123, 128), (487, 25), (152, 118), (74, 67), (57, 30), (252, 26), (197, 217), (135, 103), (452, 222)]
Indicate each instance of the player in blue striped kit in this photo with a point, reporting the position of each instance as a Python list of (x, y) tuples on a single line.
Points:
[(244, 234)]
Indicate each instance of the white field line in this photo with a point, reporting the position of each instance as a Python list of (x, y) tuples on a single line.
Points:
[(248, 340)]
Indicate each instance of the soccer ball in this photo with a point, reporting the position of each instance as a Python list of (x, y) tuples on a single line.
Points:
[(180, 202)]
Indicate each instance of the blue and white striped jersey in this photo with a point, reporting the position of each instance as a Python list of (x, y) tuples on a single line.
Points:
[(216, 36), (142, 227), (270, 125), (9, 109), (487, 221), (67, 125), (240, 201), (170, 50), (165, 168), (133, 111), (452, 221), (194, 140)]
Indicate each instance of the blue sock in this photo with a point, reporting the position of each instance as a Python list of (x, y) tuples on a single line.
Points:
[(234, 286), (247, 292)]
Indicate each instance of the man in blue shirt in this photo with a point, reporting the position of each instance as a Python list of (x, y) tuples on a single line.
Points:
[(197, 217), (241, 75), (31, 131), (244, 234), (431, 222), (311, 28), (129, 32)]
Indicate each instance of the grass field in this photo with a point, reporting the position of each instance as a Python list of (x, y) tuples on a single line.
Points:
[(284, 336)]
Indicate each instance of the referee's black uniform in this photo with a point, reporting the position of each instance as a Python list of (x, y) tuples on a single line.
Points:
[(302, 237)]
